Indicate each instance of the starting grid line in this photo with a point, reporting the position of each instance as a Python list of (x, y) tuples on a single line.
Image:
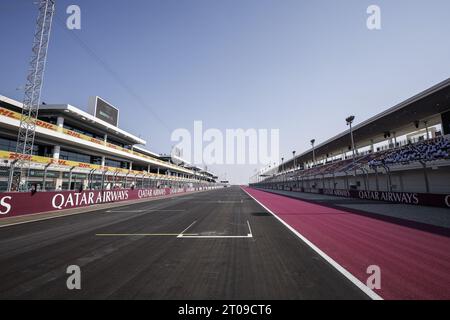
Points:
[(181, 235), (144, 210)]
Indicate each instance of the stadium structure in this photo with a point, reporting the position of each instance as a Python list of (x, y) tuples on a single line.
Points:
[(141, 220), (399, 155), (88, 212), (75, 149)]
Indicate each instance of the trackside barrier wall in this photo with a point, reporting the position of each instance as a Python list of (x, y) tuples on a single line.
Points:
[(423, 199), (23, 203)]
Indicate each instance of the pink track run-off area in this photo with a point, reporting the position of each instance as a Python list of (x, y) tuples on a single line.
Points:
[(414, 264)]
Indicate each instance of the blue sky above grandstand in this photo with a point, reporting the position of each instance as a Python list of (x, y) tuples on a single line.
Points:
[(300, 66)]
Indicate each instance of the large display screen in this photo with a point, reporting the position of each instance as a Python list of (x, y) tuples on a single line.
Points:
[(105, 111)]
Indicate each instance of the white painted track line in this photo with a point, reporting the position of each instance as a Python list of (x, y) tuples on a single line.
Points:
[(124, 211), (196, 236), (327, 258), (181, 234)]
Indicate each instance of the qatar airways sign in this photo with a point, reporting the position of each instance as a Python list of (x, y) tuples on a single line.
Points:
[(425, 199), (70, 200), (22, 203), (5, 205), (398, 197)]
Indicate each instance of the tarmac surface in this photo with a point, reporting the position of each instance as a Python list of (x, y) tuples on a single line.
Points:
[(219, 244)]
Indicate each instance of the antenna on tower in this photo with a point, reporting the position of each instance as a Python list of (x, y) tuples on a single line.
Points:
[(27, 129)]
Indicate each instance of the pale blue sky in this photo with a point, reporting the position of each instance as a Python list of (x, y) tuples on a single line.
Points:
[(299, 66)]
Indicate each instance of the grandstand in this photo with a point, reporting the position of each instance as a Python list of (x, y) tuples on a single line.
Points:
[(75, 149), (403, 149)]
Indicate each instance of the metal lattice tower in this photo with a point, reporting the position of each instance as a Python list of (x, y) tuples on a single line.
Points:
[(25, 137)]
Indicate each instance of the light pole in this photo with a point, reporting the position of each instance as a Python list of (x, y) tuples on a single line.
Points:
[(314, 151), (350, 120), (294, 178), (293, 155), (426, 128)]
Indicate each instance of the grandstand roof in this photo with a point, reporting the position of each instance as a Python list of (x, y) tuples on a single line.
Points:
[(399, 118), (198, 169), (175, 159), (11, 102), (145, 151), (79, 115), (89, 119)]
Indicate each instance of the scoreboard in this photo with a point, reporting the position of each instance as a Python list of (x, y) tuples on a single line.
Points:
[(103, 110)]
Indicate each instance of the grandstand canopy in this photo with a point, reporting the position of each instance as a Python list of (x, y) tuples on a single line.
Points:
[(198, 169), (88, 120), (76, 115), (146, 152), (401, 119), (10, 104), (175, 159)]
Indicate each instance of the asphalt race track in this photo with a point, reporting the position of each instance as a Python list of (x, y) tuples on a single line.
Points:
[(212, 245)]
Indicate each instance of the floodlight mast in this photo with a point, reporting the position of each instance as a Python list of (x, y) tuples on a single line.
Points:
[(32, 96)]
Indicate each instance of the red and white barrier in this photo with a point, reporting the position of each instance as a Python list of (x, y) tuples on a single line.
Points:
[(22, 203), (413, 198)]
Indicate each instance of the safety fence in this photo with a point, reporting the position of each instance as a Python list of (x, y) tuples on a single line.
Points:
[(52, 174)]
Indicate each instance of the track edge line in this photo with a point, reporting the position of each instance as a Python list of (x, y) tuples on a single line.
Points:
[(369, 292)]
